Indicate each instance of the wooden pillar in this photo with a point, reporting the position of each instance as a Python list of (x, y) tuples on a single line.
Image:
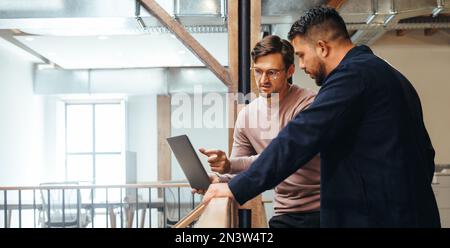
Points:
[(164, 131), (164, 167), (258, 212), (187, 39), (233, 67), (400, 32), (335, 3), (259, 218), (429, 31), (233, 21), (255, 17)]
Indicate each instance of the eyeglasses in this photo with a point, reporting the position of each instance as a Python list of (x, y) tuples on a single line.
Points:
[(271, 73)]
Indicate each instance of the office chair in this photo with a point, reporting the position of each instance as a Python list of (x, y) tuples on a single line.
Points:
[(174, 210), (63, 209)]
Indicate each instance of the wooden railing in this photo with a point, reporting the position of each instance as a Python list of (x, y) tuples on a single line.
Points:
[(121, 205), (218, 213), (223, 213), (159, 184), (129, 201)]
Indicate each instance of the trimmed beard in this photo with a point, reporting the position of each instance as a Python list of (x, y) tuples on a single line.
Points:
[(320, 76)]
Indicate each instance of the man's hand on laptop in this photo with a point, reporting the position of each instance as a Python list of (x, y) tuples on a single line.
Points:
[(218, 160), (213, 178)]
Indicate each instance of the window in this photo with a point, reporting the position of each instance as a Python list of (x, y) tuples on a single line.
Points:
[(95, 136)]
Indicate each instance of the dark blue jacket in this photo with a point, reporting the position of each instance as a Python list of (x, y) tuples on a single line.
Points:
[(377, 159)]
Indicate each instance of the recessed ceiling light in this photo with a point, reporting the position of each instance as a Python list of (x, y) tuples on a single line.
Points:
[(102, 37), (29, 38), (210, 6)]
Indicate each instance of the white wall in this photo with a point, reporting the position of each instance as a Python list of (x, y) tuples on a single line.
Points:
[(425, 61), (212, 137), (54, 146), (199, 134), (22, 120), (142, 135)]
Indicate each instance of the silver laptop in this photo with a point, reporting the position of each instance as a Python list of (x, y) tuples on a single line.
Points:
[(189, 162)]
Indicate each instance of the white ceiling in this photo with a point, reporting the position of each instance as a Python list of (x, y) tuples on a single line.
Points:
[(125, 51)]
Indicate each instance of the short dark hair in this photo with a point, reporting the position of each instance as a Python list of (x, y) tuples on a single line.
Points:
[(274, 44), (325, 19)]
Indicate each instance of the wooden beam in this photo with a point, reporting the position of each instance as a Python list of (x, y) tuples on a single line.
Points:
[(233, 70), (258, 212), (217, 214), (233, 22), (164, 131), (164, 156), (400, 32), (429, 31), (191, 217), (335, 3), (186, 38), (255, 20), (9, 36), (259, 219)]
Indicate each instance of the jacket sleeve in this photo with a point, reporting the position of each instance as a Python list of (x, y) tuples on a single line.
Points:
[(337, 105)]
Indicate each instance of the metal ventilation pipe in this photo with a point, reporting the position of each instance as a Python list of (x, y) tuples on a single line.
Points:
[(439, 8), (244, 47)]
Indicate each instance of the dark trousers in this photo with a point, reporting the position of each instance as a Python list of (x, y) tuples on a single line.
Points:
[(296, 220)]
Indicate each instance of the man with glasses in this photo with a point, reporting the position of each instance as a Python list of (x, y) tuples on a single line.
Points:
[(297, 198)]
